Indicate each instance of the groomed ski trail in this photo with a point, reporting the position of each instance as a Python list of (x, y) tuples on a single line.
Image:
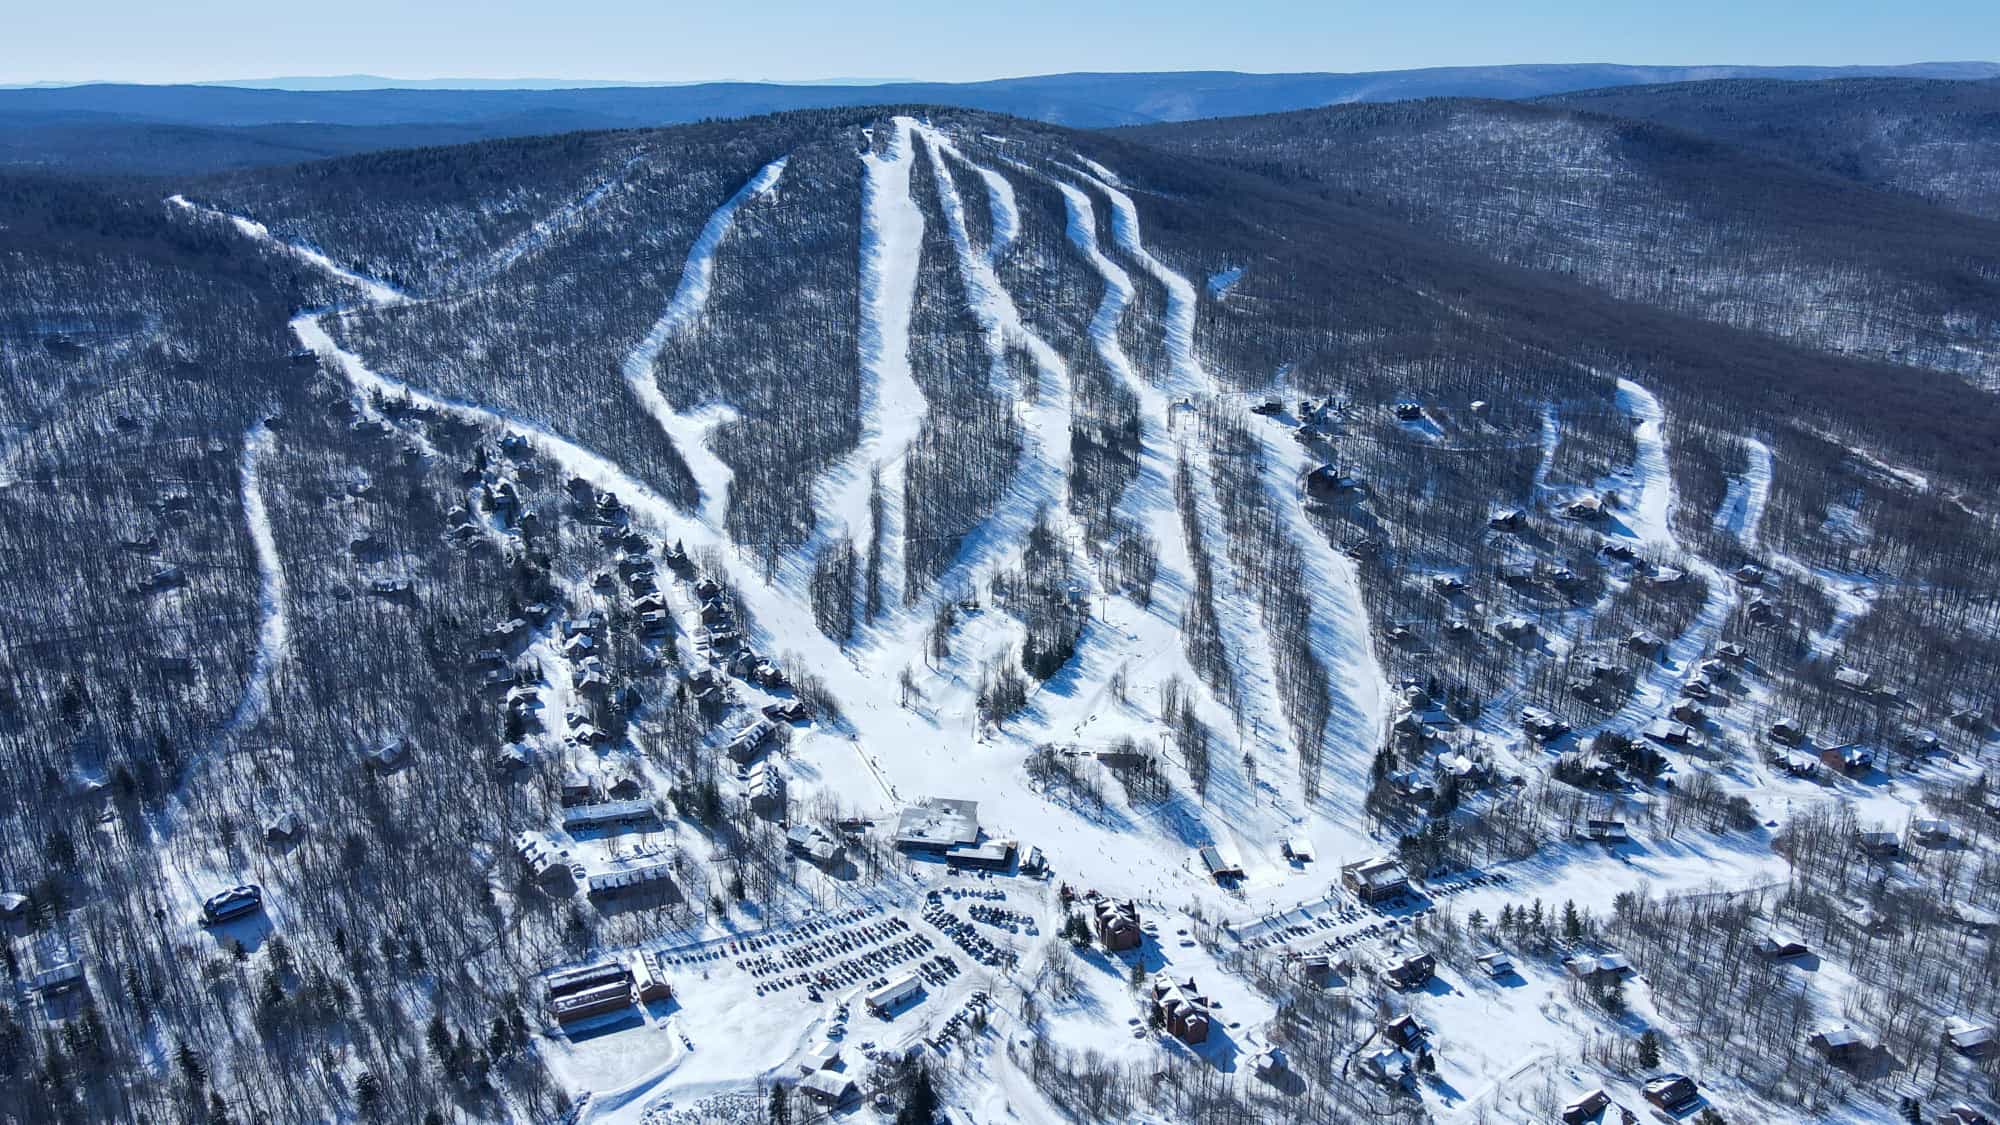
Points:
[(1245, 635), (1742, 512), (548, 228), (1041, 476), (1150, 505), (1652, 504), (689, 430), (892, 406), (1338, 626), (780, 624), (1659, 681)]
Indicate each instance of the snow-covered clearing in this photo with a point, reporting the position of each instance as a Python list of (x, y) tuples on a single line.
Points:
[(1004, 212), (689, 430), (1222, 281), (1648, 503), (274, 630)]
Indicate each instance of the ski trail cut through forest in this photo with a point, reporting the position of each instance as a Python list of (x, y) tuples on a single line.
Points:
[(1742, 512), (1003, 210), (274, 630), (1652, 505), (892, 406), (550, 227), (1340, 635), (1245, 637), (1659, 680), (689, 430), (377, 292), (1040, 479), (782, 626), (779, 623), (1149, 505), (1551, 438), (1177, 330)]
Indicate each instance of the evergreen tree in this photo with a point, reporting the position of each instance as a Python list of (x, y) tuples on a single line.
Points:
[(919, 1097), (780, 1110), (439, 1038), (367, 1092), (191, 1066), (1649, 1049)]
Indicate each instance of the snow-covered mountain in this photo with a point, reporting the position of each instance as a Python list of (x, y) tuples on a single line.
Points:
[(920, 608)]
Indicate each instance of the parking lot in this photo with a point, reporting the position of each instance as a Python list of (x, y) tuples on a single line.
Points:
[(1345, 920), (958, 929)]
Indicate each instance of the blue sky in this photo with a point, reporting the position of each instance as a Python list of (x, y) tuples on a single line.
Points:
[(673, 40)]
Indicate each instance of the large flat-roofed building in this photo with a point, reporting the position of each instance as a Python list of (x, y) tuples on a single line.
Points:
[(937, 824), (893, 995), (992, 855), (609, 814)]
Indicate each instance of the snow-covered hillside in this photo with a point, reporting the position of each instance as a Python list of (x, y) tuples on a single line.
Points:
[(859, 610)]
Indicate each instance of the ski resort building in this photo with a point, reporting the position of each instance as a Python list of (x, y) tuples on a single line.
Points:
[(938, 824), (1181, 1009), (592, 990), (829, 1088), (886, 999), (1116, 923), (652, 872), (609, 814), (1375, 880), (812, 842)]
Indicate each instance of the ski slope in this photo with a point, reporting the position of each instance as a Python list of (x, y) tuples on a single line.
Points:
[(549, 228), (377, 292), (1041, 477), (1741, 514), (892, 406), (273, 632), (1649, 503), (689, 430)]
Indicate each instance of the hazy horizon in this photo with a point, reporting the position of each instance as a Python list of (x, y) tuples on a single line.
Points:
[(795, 42)]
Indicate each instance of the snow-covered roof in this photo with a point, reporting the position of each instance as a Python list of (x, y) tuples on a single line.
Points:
[(938, 822)]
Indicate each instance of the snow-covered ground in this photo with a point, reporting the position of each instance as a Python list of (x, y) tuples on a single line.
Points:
[(274, 628), (1742, 513), (1649, 498)]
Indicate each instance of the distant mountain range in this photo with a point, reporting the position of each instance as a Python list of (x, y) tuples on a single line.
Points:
[(179, 129)]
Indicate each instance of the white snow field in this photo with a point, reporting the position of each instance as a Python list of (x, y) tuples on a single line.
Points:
[(1741, 515)]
